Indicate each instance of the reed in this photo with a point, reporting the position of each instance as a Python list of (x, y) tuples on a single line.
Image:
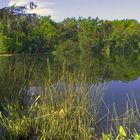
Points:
[(58, 105), (61, 109)]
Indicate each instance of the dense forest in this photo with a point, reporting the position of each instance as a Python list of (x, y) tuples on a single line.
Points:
[(28, 33)]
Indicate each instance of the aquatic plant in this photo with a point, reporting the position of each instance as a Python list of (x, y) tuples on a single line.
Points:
[(62, 109), (65, 106)]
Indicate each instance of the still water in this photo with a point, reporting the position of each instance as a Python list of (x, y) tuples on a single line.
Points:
[(120, 92), (121, 75)]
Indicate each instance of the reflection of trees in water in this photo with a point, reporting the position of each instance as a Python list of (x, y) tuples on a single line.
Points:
[(18, 71), (96, 67)]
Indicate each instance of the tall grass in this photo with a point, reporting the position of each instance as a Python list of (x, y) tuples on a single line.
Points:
[(64, 105), (124, 126), (62, 109)]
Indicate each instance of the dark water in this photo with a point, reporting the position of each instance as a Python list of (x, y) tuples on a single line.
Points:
[(120, 92), (120, 73)]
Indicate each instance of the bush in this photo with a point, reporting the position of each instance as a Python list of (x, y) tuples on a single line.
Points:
[(67, 47)]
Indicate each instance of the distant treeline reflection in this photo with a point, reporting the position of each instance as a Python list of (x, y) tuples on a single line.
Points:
[(94, 67)]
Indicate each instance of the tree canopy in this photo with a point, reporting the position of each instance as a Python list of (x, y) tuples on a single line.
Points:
[(21, 32)]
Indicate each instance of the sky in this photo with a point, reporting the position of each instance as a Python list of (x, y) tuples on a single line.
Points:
[(104, 9)]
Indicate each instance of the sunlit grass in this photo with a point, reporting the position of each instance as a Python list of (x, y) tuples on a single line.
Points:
[(64, 107)]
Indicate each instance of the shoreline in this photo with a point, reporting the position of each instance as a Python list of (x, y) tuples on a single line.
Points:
[(6, 55), (18, 54)]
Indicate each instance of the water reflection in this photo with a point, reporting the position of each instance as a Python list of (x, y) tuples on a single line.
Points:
[(119, 93), (119, 72)]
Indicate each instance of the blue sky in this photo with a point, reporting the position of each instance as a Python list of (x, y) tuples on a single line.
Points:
[(104, 9)]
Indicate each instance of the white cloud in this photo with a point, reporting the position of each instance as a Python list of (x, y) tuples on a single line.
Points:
[(42, 11), (40, 3), (12, 2), (43, 7)]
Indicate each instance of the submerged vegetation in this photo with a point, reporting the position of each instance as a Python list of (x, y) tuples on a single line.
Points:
[(23, 32)]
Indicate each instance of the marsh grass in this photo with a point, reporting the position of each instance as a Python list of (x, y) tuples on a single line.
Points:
[(129, 122), (65, 108), (60, 110)]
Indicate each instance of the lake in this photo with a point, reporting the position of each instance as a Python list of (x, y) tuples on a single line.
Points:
[(120, 75)]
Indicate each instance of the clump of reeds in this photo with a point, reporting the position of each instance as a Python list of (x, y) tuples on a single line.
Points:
[(66, 106), (62, 110)]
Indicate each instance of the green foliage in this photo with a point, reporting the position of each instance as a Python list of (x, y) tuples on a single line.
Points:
[(121, 135), (106, 50), (67, 47), (2, 47), (87, 44), (62, 111), (136, 136), (31, 33), (15, 125), (107, 137), (68, 29)]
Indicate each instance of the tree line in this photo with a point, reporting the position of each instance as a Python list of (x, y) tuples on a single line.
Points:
[(28, 33)]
